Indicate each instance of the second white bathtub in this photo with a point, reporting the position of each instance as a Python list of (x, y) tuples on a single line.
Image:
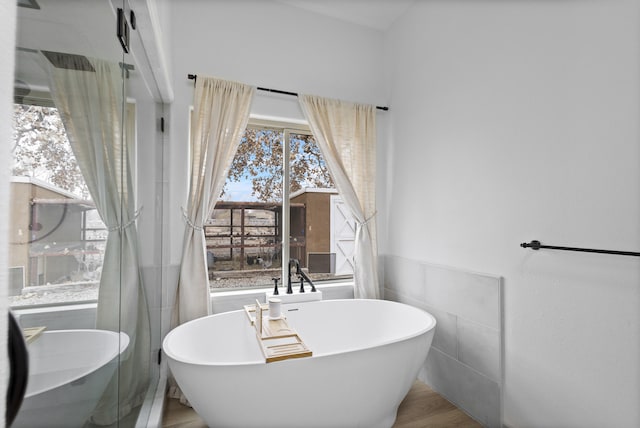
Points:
[(366, 355), (68, 372)]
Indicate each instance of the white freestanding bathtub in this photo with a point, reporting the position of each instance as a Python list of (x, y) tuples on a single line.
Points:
[(366, 355), (68, 372)]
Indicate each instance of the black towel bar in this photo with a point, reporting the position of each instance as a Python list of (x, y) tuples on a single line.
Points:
[(536, 245)]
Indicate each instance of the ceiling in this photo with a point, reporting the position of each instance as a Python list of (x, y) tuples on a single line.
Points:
[(80, 27), (377, 14)]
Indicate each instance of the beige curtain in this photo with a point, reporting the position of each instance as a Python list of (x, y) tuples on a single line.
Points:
[(220, 116), (346, 134), (90, 104)]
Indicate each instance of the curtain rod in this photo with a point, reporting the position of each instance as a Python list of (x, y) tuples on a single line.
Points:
[(277, 91)]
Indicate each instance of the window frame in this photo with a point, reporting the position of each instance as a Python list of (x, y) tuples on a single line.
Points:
[(287, 127), (43, 102), (130, 131)]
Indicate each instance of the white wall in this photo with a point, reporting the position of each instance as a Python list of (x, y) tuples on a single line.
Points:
[(268, 44), (513, 121), (272, 45)]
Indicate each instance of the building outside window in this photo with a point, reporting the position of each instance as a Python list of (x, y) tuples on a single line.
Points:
[(244, 233), (57, 239)]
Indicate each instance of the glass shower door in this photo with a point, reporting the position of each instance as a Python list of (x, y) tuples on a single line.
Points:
[(67, 215)]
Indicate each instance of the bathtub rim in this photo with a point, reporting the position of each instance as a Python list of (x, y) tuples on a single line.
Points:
[(123, 345), (172, 357)]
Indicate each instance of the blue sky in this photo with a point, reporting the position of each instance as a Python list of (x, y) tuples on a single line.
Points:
[(239, 191)]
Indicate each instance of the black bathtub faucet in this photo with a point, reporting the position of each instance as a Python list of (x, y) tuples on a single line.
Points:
[(301, 275)]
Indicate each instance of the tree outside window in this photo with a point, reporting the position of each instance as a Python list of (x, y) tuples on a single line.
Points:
[(244, 234)]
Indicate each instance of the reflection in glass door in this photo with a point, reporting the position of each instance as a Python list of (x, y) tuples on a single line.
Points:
[(76, 280)]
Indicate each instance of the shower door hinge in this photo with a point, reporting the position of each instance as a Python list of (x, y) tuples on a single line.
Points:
[(162, 124), (123, 30), (159, 356), (132, 18)]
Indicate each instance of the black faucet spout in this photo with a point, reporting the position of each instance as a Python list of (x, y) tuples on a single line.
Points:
[(304, 276), (292, 263)]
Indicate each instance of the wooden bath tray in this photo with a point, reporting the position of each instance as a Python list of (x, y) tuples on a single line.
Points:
[(32, 333), (277, 339)]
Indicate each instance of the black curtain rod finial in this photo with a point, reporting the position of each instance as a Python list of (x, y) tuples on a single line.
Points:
[(534, 245)]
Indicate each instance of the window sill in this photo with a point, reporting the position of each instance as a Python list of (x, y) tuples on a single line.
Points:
[(224, 301), (58, 316), (61, 316)]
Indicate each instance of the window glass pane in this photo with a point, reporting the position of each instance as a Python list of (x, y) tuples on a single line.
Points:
[(243, 234), (56, 236), (322, 231)]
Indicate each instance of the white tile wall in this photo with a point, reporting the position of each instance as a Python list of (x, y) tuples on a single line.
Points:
[(476, 394), (446, 336), (465, 362), (479, 347), (472, 296), (407, 277)]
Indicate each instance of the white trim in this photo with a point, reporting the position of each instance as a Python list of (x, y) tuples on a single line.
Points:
[(273, 123), (153, 405), (279, 122), (150, 31), (286, 211), (312, 190)]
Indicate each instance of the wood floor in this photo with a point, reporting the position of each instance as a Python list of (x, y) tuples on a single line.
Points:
[(421, 408)]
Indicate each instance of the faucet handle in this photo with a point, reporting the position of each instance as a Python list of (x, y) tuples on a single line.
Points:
[(301, 283), (275, 287)]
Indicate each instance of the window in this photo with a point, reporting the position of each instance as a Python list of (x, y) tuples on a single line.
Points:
[(244, 233), (57, 239)]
